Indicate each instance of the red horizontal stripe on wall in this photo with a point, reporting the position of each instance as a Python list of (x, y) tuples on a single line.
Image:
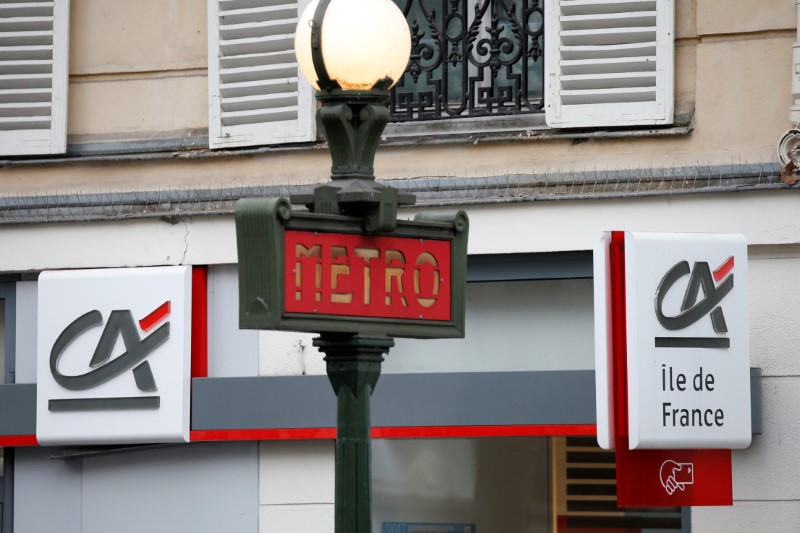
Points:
[(263, 434), (432, 432), (18, 440), (401, 432)]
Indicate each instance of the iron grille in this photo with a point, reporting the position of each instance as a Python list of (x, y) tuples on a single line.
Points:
[(471, 58)]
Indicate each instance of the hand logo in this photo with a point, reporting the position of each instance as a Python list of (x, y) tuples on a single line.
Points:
[(676, 476)]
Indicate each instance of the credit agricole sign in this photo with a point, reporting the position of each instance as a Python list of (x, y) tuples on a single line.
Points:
[(672, 363), (113, 356), (686, 341)]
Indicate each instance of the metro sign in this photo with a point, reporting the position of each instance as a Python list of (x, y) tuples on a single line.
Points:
[(323, 273), (359, 275)]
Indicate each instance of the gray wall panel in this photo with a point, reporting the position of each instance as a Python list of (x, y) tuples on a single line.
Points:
[(477, 399), (27, 308), (8, 299), (495, 398), (18, 409), (198, 488), (441, 399), (266, 402), (47, 493), (515, 326), (3, 340), (510, 267), (231, 351)]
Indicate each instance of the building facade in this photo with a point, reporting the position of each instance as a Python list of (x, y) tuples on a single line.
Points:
[(129, 129)]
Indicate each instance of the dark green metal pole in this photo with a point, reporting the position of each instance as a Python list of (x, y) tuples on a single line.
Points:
[(353, 365), (352, 122)]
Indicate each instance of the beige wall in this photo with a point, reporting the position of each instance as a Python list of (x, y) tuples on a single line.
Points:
[(744, 16), (137, 69), (109, 37), (138, 72)]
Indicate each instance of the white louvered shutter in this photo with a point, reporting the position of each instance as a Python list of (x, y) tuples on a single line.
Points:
[(33, 77), (609, 62), (257, 94)]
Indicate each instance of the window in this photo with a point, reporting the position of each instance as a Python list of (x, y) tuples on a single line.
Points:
[(579, 63), (33, 77), (257, 94), (610, 63), (556, 485), (478, 485), (585, 493), (584, 62), (471, 58)]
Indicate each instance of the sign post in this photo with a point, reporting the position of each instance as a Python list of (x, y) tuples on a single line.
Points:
[(347, 268), (324, 273), (672, 364)]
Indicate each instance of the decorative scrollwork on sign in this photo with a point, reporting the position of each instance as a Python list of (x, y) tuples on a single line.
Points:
[(471, 58)]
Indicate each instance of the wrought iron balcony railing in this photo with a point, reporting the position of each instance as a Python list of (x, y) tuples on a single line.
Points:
[(471, 58)]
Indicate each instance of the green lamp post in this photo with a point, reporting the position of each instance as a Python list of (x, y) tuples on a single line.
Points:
[(346, 268), (353, 51)]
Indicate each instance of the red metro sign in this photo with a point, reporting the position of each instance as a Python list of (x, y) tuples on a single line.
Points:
[(324, 274), (365, 276)]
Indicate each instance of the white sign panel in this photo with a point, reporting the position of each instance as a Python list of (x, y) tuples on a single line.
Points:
[(603, 349), (687, 341), (113, 356)]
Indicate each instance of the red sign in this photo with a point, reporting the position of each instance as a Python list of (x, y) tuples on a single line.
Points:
[(672, 478), (367, 276), (655, 478)]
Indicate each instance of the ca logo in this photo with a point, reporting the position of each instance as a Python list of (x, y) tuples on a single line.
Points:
[(120, 323), (715, 287)]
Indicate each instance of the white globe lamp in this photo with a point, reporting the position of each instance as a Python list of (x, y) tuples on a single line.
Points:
[(363, 43)]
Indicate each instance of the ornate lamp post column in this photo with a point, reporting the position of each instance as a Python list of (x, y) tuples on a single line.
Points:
[(347, 268), (353, 366), (353, 51)]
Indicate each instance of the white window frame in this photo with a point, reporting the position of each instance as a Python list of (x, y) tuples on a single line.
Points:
[(54, 139), (561, 114), (301, 129)]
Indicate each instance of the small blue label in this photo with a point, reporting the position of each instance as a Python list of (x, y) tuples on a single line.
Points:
[(426, 527)]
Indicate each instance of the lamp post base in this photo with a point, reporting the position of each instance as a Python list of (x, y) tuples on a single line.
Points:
[(353, 365)]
